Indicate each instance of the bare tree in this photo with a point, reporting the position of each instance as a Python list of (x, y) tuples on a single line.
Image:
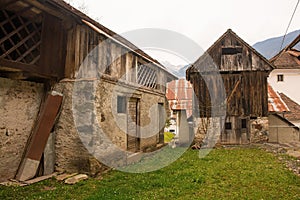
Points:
[(83, 7)]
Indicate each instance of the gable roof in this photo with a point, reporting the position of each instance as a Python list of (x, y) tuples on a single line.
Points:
[(275, 102), (286, 121), (87, 20), (212, 50), (289, 57), (63, 10), (294, 114)]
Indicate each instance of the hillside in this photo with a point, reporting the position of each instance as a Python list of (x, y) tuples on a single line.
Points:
[(271, 47)]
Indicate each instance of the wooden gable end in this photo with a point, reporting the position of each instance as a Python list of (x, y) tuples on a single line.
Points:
[(231, 73), (230, 53)]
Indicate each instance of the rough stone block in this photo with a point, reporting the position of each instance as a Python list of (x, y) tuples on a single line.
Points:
[(76, 179), (295, 154), (62, 177), (134, 158)]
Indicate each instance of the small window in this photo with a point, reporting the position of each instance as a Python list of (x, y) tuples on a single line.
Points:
[(231, 50), (244, 123), (121, 104), (280, 78), (228, 126)]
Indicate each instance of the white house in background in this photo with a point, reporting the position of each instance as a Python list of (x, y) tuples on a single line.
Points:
[(285, 78), (180, 97)]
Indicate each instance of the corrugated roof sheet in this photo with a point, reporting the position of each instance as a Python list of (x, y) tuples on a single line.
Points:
[(180, 96), (275, 102)]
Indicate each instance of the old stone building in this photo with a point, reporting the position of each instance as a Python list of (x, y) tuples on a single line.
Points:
[(74, 87), (230, 82)]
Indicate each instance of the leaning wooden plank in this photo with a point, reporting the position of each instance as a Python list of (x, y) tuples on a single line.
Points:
[(38, 141), (39, 179)]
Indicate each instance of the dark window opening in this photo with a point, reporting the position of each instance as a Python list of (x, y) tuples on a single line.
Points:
[(231, 50), (121, 104), (228, 126), (280, 78), (244, 123)]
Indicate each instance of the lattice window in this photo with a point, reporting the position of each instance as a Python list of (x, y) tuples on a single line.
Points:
[(20, 39), (146, 76)]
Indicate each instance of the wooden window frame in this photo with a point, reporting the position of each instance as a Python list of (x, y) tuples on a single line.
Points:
[(280, 78), (121, 104)]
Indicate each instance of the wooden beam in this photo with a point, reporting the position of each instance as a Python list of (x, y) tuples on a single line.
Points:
[(29, 51), (234, 90), (33, 70), (19, 66), (45, 8), (15, 75), (18, 33), (14, 32), (18, 45), (7, 3)]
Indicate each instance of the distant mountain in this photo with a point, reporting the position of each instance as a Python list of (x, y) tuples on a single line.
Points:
[(270, 47), (177, 70)]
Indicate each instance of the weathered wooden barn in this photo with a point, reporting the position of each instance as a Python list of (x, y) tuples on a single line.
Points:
[(60, 74), (243, 73)]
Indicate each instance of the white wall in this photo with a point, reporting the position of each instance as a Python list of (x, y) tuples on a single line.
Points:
[(291, 84)]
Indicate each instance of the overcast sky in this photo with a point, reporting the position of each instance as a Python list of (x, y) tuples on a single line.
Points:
[(202, 21)]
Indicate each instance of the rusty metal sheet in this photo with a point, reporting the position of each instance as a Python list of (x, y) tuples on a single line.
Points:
[(275, 103), (44, 125), (180, 95)]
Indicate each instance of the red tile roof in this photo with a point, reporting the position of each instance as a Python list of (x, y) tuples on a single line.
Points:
[(180, 95), (275, 102)]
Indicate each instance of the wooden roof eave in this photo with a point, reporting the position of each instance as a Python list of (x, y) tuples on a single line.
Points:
[(82, 18), (289, 46)]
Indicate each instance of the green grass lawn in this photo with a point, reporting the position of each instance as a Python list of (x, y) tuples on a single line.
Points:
[(240, 173)]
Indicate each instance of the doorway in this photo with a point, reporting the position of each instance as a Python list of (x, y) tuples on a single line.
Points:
[(133, 121)]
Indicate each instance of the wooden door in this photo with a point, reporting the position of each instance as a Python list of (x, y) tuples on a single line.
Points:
[(161, 122), (133, 120)]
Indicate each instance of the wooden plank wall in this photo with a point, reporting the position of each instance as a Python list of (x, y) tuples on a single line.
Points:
[(246, 60), (249, 99), (90, 54), (53, 47), (105, 55)]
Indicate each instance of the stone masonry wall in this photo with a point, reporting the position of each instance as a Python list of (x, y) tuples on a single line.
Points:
[(71, 154), (259, 129), (207, 132), (90, 108), (19, 107)]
